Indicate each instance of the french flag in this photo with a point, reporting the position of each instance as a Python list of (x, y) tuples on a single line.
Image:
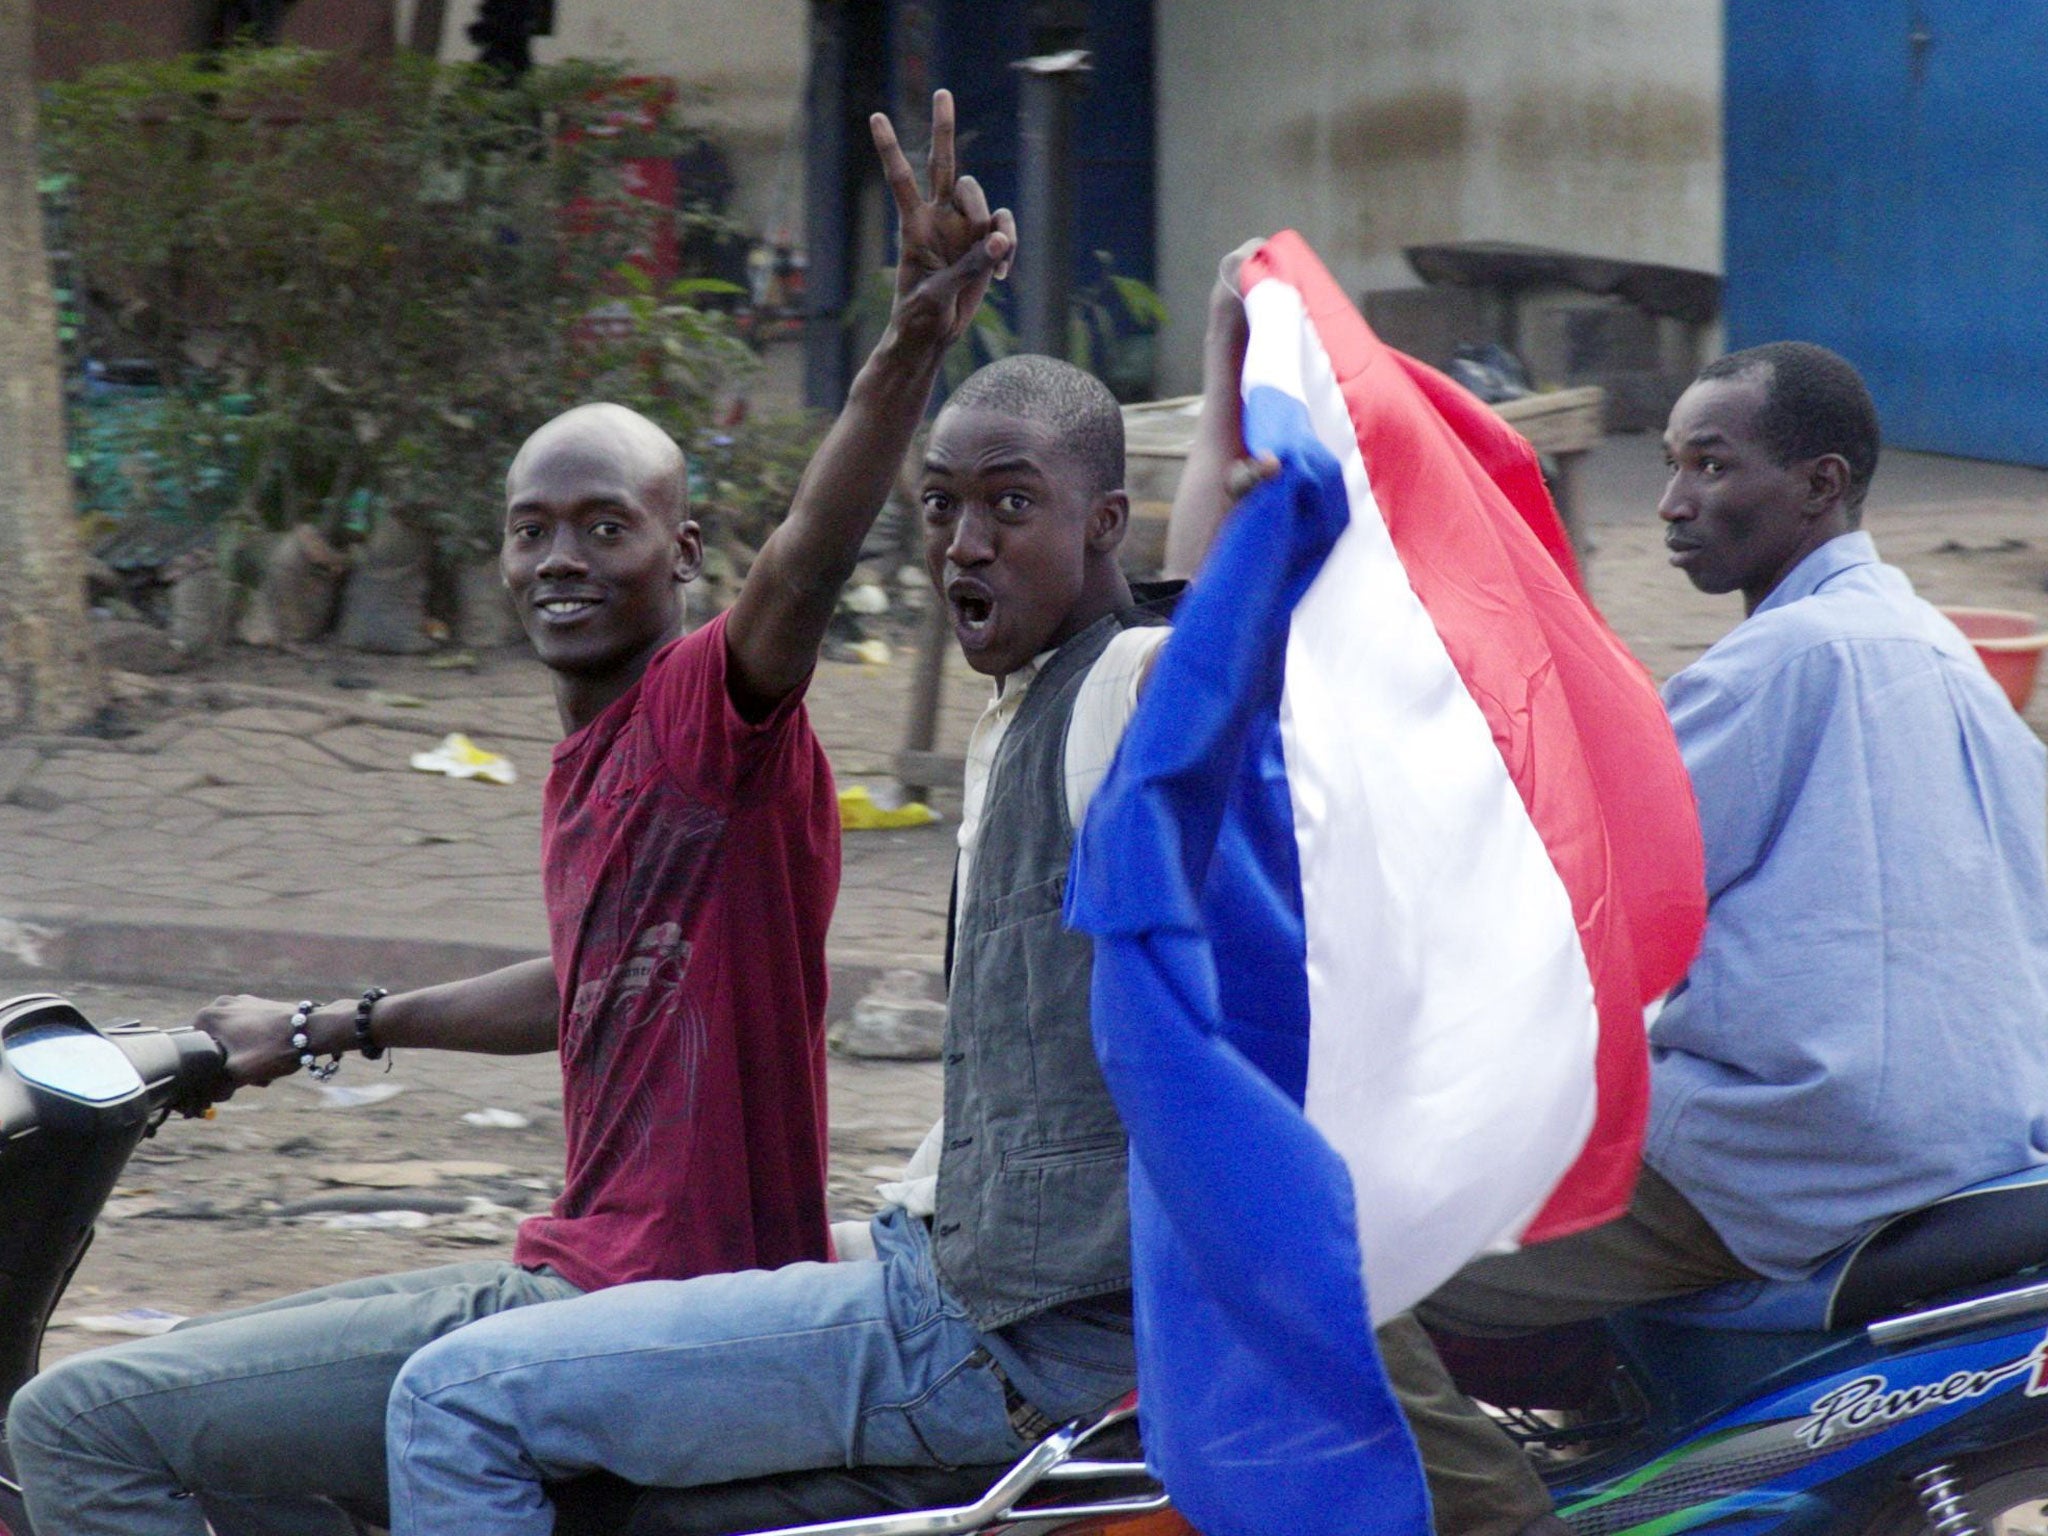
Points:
[(1396, 850)]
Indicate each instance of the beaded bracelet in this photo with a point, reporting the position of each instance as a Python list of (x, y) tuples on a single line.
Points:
[(365, 1042), (303, 1044)]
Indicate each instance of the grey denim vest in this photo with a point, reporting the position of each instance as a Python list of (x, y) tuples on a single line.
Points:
[(1032, 1205)]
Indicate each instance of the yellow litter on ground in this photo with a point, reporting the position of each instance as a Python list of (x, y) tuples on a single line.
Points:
[(461, 758), (860, 812)]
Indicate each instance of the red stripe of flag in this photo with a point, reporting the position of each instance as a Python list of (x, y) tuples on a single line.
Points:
[(1576, 718)]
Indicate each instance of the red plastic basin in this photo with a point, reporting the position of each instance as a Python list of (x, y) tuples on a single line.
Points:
[(2010, 644)]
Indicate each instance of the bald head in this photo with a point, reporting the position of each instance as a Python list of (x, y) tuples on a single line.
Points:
[(605, 444)]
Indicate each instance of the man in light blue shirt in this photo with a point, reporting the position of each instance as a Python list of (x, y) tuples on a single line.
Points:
[(1865, 1028)]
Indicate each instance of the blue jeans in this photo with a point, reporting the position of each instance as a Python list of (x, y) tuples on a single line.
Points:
[(265, 1414), (674, 1383)]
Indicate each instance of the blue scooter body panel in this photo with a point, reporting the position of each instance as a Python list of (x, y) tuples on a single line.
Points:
[(1798, 1432)]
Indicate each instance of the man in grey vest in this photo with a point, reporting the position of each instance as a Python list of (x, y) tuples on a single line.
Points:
[(1006, 1306)]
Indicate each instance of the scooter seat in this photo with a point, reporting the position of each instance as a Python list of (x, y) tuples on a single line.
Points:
[(1987, 1232)]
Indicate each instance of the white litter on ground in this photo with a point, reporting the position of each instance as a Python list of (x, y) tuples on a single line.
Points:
[(461, 758), (497, 1119), (347, 1096)]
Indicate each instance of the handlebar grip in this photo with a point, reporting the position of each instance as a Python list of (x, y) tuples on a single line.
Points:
[(202, 1071)]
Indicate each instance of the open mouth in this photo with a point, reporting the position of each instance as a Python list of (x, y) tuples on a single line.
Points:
[(973, 609)]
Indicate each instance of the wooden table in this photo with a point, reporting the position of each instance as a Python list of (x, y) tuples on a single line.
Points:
[(1562, 424)]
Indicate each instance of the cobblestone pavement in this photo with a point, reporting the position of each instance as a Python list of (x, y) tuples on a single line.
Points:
[(269, 831)]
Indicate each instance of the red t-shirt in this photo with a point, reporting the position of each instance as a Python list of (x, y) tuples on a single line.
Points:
[(690, 861)]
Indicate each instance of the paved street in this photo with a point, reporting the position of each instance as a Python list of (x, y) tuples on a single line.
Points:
[(271, 834)]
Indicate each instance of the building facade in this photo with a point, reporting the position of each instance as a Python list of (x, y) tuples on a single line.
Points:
[(1370, 125)]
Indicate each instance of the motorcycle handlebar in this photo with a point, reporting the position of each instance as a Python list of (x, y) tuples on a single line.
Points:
[(185, 1068), (202, 1071)]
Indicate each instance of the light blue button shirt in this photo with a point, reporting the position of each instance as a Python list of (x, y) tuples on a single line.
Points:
[(1866, 1026)]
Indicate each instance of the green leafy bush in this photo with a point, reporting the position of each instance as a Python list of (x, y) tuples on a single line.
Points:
[(392, 293)]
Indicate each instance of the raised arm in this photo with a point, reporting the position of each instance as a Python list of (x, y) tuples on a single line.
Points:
[(952, 247), (508, 1012), (1218, 471)]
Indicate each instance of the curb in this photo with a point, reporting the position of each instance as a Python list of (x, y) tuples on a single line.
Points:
[(211, 958)]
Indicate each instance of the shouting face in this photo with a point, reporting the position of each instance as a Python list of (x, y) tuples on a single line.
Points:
[(1735, 518), (1020, 544)]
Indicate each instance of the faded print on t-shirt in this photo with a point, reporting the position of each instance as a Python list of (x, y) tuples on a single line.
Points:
[(690, 861), (631, 1006)]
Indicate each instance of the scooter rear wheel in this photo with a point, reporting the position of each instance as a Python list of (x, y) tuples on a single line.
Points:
[(2006, 1491)]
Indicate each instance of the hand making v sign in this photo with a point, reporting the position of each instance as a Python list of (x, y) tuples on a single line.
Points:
[(951, 245)]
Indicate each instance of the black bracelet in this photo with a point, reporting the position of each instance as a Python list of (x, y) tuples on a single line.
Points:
[(365, 1042)]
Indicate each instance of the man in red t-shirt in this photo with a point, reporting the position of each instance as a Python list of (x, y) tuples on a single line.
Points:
[(690, 857), (690, 850)]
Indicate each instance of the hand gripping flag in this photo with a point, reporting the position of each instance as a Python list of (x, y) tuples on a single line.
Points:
[(1396, 850)]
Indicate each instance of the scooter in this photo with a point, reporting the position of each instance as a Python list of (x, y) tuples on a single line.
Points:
[(1904, 1387), (76, 1100)]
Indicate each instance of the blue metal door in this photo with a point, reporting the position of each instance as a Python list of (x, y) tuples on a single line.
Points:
[(1887, 196)]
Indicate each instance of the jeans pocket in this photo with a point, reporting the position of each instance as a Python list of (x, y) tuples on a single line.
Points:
[(962, 1419), (917, 1299)]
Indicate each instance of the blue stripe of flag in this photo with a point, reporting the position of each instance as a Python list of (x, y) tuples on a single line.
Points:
[(1265, 1409)]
